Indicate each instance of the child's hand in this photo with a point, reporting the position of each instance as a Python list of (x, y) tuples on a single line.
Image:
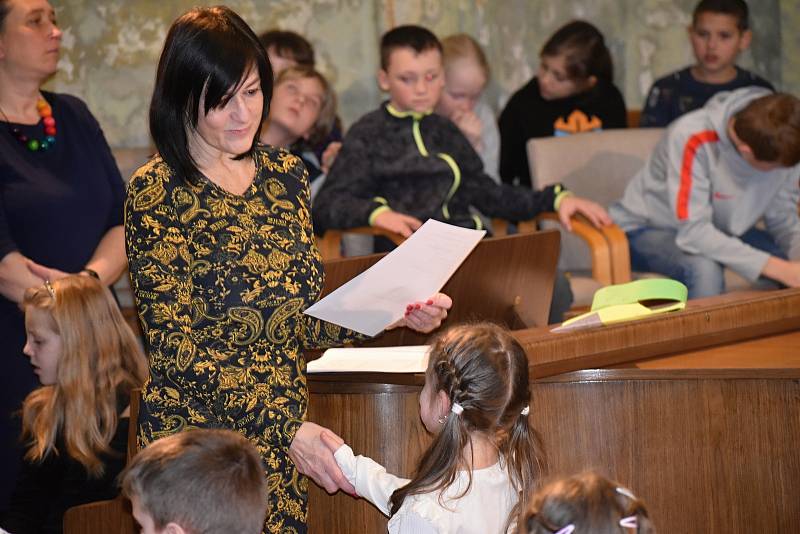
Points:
[(593, 211), (470, 125), (313, 459), (786, 272), (425, 316), (329, 155), (399, 223)]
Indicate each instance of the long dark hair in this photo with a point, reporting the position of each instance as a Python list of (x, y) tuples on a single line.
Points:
[(208, 52), (485, 370), (584, 49)]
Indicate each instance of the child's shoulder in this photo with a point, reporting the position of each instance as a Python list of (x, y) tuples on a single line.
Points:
[(674, 79), (377, 118)]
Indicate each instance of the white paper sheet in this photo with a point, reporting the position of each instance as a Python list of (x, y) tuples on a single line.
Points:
[(412, 272), (411, 359)]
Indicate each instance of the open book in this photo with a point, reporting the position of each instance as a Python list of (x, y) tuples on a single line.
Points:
[(411, 359)]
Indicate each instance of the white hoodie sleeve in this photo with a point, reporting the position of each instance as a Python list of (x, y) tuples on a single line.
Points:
[(782, 219), (370, 479), (689, 189)]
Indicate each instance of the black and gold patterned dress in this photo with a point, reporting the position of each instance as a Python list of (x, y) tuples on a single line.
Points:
[(220, 282)]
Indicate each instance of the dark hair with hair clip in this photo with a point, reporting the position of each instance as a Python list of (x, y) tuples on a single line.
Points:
[(483, 369), (584, 49), (207, 55), (587, 502)]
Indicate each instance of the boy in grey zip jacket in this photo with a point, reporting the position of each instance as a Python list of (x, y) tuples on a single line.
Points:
[(717, 171)]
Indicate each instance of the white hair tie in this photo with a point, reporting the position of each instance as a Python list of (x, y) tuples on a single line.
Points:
[(456, 408), (526, 410), (569, 529)]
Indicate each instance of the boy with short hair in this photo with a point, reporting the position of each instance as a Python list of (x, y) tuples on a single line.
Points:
[(199, 481), (717, 171), (402, 164), (719, 32)]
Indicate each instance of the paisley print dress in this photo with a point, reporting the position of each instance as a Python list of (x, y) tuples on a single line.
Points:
[(220, 282)]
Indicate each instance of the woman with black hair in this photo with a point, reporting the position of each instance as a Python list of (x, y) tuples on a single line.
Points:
[(223, 263)]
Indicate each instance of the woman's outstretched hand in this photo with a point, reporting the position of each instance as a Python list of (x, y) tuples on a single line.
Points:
[(314, 459), (425, 316)]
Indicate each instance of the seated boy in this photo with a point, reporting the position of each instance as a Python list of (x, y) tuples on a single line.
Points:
[(197, 481), (691, 210), (401, 164), (719, 33)]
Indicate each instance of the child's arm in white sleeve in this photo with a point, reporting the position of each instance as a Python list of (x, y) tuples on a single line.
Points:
[(411, 523), (370, 479)]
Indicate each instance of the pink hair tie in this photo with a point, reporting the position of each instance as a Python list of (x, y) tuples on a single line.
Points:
[(628, 522), (456, 408), (569, 529)]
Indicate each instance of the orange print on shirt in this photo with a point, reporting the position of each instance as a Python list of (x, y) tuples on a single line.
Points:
[(577, 122)]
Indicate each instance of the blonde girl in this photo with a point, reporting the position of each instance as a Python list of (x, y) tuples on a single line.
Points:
[(466, 75), (585, 503), (486, 455), (75, 424)]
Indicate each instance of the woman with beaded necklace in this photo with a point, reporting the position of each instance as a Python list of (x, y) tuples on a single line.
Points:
[(60, 197)]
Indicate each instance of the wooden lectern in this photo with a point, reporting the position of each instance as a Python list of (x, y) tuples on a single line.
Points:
[(697, 411)]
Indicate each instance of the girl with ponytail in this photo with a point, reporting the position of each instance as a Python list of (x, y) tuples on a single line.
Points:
[(485, 458)]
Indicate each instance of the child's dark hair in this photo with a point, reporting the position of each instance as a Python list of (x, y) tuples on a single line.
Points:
[(485, 370), (289, 45), (410, 36), (734, 8), (770, 126), (586, 502), (584, 49)]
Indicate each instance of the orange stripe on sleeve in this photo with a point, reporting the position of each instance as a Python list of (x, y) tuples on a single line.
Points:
[(689, 151)]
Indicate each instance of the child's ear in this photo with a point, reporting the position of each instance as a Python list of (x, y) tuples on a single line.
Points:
[(442, 403), (173, 528), (744, 42), (591, 82), (383, 80)]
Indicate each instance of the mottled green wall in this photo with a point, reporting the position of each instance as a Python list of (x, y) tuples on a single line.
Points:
[(111, 46)]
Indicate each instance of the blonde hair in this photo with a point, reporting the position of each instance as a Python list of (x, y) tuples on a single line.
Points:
[(462, 46), (327, 111), (100, 359), (588, 502), (205, 480), (485, 370)]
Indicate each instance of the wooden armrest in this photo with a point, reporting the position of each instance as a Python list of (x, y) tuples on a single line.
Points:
[(371, 230), (101, 516), (620, 253), (500, 227), (595, 239), (330, 244)]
